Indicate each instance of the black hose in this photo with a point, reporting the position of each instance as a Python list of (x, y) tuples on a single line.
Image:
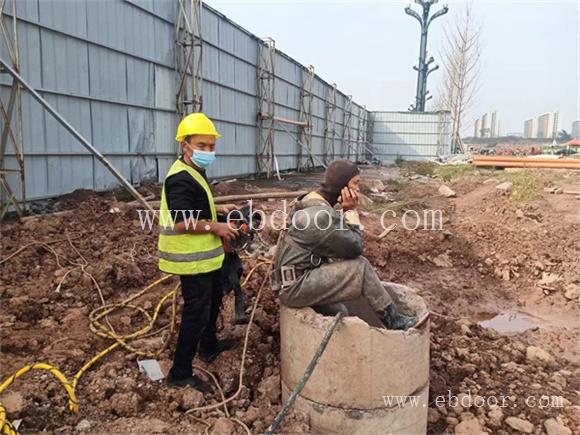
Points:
[(313, 362)]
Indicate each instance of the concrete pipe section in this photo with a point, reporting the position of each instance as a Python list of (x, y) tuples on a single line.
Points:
[(369, 380)]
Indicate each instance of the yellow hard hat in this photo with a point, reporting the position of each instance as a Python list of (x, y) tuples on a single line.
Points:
[(195, 123)]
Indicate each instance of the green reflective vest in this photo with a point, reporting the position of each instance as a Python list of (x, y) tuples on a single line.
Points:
[(183, 253)]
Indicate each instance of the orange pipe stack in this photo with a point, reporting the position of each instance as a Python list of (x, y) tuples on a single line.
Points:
[(525, 162)]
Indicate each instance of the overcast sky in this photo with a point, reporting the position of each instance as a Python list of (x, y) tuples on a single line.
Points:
[(531, 51)]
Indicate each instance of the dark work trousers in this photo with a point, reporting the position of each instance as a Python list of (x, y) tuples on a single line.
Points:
[(202, 298)]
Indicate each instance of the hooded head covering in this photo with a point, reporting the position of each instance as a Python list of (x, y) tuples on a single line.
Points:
[(336, 177)]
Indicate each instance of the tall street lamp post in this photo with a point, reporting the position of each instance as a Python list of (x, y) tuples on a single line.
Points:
[(423, 68)]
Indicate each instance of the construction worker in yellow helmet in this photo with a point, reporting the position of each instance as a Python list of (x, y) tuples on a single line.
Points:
[(190, 245)]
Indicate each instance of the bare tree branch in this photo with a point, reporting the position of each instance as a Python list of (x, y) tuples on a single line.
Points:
[(461, 65)]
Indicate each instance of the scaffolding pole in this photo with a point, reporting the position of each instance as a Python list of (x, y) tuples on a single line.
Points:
[(330, 128), (346, 132), (11, 114), (266, 162), (361, 138), (188, 58), (369, 154), (305, 157)]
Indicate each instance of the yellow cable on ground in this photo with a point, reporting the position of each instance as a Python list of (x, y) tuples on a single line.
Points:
[(101, 330), (6, 426)]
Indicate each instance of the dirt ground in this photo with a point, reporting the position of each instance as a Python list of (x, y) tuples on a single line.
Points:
[(501, 275)]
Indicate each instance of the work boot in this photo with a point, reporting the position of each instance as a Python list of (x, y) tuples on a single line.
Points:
[(393, 319), (191, 381), (209, 355)]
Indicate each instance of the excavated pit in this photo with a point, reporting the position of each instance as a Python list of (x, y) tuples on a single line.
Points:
[(391, 369)]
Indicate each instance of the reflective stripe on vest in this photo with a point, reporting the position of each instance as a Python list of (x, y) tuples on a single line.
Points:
[(184, 253), (196, 256)]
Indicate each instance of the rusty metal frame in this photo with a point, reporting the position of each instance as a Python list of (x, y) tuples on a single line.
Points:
[(266, 162), (305, 159), (346, 128), (330, 128), (11, 115), (189, 58)]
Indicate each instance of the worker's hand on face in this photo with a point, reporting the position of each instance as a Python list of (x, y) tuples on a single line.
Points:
[(348, 199), (224, 230)]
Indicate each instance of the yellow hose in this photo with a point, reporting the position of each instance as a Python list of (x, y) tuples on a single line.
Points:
[(120, 340), (7, 428)]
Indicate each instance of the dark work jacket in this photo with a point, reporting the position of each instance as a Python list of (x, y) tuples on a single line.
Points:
[(331, 237)]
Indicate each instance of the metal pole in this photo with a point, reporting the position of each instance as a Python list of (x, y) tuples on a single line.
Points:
[(423, 67), (421, 77), (76, 134), (307, 373)]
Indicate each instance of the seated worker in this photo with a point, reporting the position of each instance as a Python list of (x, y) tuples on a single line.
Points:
[(190, 245), (318, 262)]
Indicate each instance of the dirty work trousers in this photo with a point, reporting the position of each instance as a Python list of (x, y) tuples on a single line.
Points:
[(202, 298), (335, 282)]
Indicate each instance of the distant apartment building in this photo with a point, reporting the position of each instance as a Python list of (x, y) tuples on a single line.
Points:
[(477, 128), (487, 126), (545, 126), (576, 130), (531, 128)]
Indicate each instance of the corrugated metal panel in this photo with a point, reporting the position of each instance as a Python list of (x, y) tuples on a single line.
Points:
[(67, 173), (141, 82), (25, 9), (142, 141), (166, 9), (246, 47), (65, 64), (78, 113), (65, 15), (165, 125), (246, 108), (227, 105), (226, 36), (105, 24), (245, 77), (413, 136), (164, 87), (110, 127), (121, 54), (210, 25), (108, 74), (164, 33), (36, 170), (32, 124), (226, 69), (104, 179), (211, 62), (30, 67)]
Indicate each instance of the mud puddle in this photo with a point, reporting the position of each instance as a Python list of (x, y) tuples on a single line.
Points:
[(511, 323)]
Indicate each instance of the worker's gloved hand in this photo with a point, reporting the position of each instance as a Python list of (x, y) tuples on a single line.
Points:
[(223, 230), (226, 208)]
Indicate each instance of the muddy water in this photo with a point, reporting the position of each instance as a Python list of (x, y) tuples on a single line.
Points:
[(511, 323)]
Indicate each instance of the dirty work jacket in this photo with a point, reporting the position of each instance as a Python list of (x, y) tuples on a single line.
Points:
[(182, 253), (317, 233)]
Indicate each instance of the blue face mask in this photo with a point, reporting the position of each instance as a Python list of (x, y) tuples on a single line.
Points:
[(203, 158)]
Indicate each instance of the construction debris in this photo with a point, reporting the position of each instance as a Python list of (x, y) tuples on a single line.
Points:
[(151, 368), (455, 159), (447, 192)]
